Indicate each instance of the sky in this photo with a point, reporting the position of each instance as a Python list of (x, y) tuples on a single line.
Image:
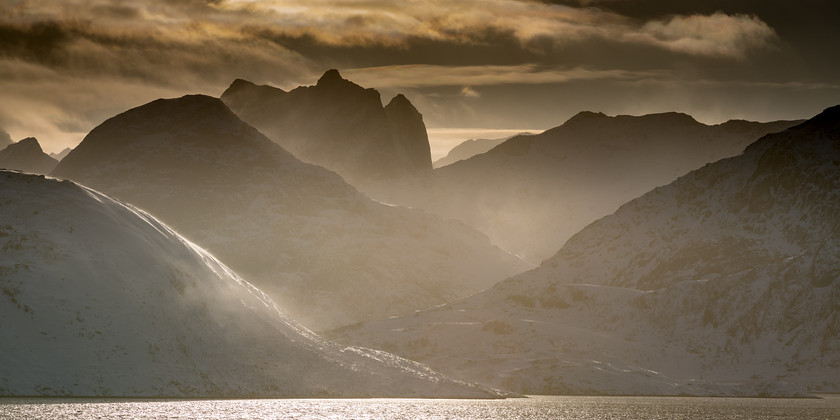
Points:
[(472, 65)]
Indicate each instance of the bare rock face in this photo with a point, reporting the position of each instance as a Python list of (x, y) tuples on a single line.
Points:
[(723, 282), (27, 155), (339, 125), (326, 253)]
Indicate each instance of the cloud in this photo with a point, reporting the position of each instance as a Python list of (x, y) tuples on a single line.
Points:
[(65, 66), (469, 92), (421, 75), (715, 35)]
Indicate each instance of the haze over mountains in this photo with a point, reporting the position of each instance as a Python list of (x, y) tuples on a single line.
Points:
[(326, 253), (723, 282), (531, 193), (468, 149), (339, 125), (5, 139), (27, 155), (101, 299), (669, 279)]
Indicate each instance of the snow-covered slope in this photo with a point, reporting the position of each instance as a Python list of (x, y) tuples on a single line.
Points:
[(531, 193), (100, 299), (724, 282), (27, 155), (339, 125), (326, 253)]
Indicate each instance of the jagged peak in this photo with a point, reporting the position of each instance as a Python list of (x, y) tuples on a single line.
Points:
[(331, 76), (401, 102)]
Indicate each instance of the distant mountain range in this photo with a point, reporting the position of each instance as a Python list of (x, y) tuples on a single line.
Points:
[(339, 125), (468, 149), (723, 282), (99, 299), (60, 155), (328, 255), (27, 155), (533, 192)]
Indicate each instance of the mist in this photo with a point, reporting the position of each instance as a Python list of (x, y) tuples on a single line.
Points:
[(488, 199)]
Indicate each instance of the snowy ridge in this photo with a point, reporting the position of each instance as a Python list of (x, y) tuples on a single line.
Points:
[(101, 299), (724, 282)]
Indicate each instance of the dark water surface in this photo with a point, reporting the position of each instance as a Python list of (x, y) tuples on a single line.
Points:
[(535, 407)]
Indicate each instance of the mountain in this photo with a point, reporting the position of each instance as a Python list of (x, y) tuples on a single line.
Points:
[(469, 149), (101, 299), (27, 155), (326, 253), (339, 125), (60, 155), (531, 193), (724, 282)]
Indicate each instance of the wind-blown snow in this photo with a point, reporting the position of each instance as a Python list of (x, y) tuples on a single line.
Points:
[(98, 298)]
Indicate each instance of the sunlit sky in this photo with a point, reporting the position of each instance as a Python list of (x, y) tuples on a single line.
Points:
[(66, 66)]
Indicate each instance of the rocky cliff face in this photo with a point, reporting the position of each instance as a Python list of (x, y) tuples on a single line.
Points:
[(724, 282), (339, 125), (326, 253)]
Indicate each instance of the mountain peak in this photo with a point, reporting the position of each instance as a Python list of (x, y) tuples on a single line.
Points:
[(402, 103), (27, 155), (332, 76), (30, 143), (586, 116), (668, 117)]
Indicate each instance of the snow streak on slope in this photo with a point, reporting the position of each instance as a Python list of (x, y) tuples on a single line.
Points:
[(100, 299), (724, 282)]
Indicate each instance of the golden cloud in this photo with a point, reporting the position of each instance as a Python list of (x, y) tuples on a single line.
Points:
[(412, 76)]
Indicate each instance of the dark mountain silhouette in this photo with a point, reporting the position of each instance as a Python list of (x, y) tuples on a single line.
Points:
[(326, 253), (27, 155), (724, 282), (339, 125), (101, 299), (531, 193), (60, 155), (470, 148)]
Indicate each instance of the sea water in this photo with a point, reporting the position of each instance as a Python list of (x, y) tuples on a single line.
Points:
[(535, 407)]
